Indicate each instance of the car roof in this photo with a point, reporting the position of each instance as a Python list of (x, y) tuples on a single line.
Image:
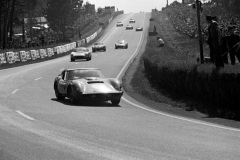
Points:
[(72, 69)]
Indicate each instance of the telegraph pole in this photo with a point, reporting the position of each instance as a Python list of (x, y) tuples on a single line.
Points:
[(200, 32)]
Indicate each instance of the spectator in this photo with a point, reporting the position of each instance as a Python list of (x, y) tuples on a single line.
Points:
[(215, 37), (233, 41), (42, 38)]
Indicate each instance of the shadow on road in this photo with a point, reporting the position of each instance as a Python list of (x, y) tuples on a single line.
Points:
[(86, 103)]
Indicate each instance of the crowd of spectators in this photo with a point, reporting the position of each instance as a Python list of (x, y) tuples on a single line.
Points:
[(184, 18)]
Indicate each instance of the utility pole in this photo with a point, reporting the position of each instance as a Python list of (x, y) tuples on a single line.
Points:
[(199, 31)]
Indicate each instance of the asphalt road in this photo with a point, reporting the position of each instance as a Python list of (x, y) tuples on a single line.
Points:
[(34, 125)]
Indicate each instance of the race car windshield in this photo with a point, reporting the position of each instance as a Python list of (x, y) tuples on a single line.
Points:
[(79, 74), (81, 50), (121, 41), (98, 43)]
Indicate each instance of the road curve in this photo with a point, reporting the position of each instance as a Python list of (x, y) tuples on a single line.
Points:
[(35, 125)]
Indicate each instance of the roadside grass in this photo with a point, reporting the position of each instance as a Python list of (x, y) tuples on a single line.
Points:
[(174, 76)]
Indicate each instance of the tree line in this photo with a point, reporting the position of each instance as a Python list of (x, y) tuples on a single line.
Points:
[(60, 14)]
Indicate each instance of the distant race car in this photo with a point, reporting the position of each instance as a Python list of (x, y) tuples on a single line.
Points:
[(131, 21), (129, 26), (87, 84), (160, 42), (81, 53), (98, 46), (139, 28), (119, 24), (121, 44)]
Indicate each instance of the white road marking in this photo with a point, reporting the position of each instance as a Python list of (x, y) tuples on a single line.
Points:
[(15, 91), (38, 78), (165, 114), (24, 115), (182, 118), (133, 55), (77, 63)]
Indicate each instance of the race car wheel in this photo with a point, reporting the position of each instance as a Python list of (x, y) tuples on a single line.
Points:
[(105, 49), (115, 102), (89, 58), (115, 47), (58, 95), (71, 96), (93, 50), (126, 46), (72, 59)]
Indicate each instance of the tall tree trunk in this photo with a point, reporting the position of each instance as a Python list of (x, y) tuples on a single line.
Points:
[(23, 30), (0, 26), (11, 20), (5, 23)]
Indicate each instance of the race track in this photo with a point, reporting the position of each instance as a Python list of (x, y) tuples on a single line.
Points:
[(34, 125)]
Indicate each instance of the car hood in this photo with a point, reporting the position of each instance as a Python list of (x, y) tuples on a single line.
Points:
[(79, 53), (95, 85)]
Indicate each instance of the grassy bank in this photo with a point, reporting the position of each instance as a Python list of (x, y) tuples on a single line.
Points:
[(175, 75)]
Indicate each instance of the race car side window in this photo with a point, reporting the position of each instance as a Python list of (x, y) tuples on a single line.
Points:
[(63, 74)]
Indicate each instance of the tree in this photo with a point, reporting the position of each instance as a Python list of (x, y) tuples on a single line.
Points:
[(62, 14)]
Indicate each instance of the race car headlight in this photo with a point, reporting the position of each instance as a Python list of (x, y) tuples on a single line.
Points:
[(117, 85), (80, 87)]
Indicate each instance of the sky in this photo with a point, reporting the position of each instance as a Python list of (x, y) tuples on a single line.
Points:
[(132, 5)]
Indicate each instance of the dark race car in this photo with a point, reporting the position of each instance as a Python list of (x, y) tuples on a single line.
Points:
[(87, 84), (98, 46)]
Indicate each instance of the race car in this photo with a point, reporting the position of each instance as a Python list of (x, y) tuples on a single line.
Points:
[(98, 46), (129, 26), (160, 42), (121, 44), (87, 84), (131, 21), (119, 24), (81, 53), (140, 28)]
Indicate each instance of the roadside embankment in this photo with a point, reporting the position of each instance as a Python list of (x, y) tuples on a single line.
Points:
[(175, 76)]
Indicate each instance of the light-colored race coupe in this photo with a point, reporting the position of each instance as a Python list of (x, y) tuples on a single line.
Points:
[(121, 44), (98, 46), (87, 84), (140, 28), (129, 26), (131, 21), (81, 53)]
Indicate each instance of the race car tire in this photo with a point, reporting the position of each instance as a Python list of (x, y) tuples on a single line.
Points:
[(93, 50), (72, 59), (71, 96), (116, 47), (115, 102), (89, 58), (58, 95)]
